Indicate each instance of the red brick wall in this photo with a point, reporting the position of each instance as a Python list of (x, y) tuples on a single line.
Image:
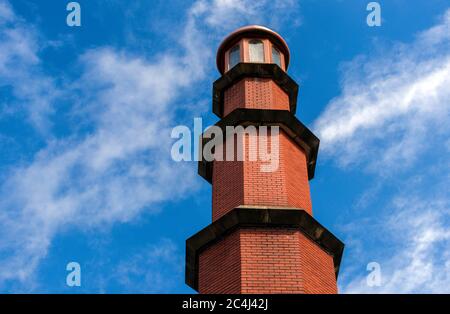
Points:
[(266, 260), (265, 188), (270, 260), (219, 266), (243, 183), (296, 174), (263, 260), (257, 93), (317, 268), (227, 185)]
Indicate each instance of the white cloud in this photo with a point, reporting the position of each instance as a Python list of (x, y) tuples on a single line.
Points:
[(229, 14), (110, 175), (117, 170), (6, 13), (21, 72), (392, 120), (391, 105), (417, 233), (157, 268)]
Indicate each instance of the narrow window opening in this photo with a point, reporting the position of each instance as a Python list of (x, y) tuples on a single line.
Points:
[(276, 56), (234, 56), (256, 51)]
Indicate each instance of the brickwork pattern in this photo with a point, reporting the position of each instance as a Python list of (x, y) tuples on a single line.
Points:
[(243, 183), (219, 267), (273, 260), (255, 93)]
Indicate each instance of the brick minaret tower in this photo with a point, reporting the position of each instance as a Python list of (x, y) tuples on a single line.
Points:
[(263, 237)]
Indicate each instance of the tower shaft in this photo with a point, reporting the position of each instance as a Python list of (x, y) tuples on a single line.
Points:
[(263, 237)]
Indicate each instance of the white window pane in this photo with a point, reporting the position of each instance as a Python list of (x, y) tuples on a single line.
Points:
[(235, 57), (276, 57), (256, 51)]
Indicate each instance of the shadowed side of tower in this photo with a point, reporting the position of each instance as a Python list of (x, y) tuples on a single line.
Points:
[(263, 237)]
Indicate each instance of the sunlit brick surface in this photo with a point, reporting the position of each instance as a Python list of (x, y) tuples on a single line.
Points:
[(255, 93), (243, 183), (257, 260), (220, 267)]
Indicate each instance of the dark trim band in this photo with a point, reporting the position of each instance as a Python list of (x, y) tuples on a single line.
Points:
[(259, 70), (263, 218), (298, 132)]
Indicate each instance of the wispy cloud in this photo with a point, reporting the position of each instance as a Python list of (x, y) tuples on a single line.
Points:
[(121, 166), (391, 104), (109, 175), (228, 14), (418, 238), (21, 71), (157, 268), (392, 121)]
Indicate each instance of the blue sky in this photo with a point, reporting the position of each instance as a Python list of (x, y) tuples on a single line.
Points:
[(86, 114)]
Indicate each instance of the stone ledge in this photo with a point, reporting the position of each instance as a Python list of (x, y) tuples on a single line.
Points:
[(296, 130), (257, 70), (261, 218)]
